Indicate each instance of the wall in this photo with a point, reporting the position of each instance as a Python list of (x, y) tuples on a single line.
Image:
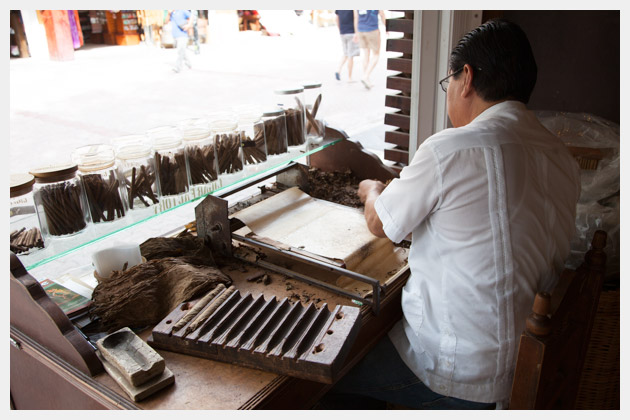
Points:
[(577, 53)]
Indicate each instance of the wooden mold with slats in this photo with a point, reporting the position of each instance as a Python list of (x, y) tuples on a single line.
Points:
[(273, 335)]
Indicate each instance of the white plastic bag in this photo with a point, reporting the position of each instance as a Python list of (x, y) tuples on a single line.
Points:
[(598, 207)]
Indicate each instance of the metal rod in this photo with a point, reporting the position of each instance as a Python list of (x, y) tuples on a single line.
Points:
[(312, 261), (254, 180), (374, 303)]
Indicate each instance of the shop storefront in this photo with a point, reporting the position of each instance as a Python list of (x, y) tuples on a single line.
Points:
[(59, 33)]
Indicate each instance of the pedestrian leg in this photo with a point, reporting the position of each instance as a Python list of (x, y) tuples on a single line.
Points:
[(186, 56), (180, 44), (338, 72), (365, 53), (350, 66)]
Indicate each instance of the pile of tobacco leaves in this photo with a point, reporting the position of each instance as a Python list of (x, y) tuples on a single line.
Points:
[(338, 187)]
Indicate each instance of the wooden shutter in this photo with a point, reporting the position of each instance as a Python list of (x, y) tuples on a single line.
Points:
[(397, 139)]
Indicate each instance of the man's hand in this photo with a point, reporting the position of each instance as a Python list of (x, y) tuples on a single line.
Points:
[(368, 187), (369, 191)]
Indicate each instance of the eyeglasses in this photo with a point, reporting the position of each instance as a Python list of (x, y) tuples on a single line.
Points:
[(444, 82)]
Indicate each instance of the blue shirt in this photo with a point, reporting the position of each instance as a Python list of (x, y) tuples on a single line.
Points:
[(368, 20), (179, 19), (346, 21)]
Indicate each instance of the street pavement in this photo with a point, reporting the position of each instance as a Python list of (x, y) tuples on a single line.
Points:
[(110, 91)]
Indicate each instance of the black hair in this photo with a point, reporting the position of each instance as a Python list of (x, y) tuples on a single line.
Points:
[(502, 60)]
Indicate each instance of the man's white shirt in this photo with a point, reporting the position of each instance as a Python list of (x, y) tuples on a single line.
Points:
[(491, 210)]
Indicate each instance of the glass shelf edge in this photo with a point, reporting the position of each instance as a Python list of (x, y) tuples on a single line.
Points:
[(104, 236)]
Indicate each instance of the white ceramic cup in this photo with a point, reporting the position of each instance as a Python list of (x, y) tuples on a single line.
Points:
[(109, 259)]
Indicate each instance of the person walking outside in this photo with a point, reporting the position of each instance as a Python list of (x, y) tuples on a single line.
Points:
[(181, 23), (369, 36), (349, 43), (193, 32)]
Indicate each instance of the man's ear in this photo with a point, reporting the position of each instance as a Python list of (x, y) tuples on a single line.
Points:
[(467, 86)]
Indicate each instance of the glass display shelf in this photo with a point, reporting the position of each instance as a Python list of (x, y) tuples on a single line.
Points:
[(60, 255)]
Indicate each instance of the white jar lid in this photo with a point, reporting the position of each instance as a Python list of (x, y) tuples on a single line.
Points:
[(223, 122), (133, 151), (311, 85), (166, 137), (55, 172), (194, 129), (195, 133), (289, 90), (248, 114), (273, 112), (21, 184), (94, 157)]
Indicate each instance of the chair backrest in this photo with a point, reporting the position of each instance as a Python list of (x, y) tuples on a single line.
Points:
[(553, 346)]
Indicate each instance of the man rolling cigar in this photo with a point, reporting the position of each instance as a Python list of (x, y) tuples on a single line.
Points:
[(490, 207)]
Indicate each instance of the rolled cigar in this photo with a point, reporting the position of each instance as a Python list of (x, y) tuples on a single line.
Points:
[(198, 307), (22, 240), (16, 233), (133, 188), (62, 206), (201, 318), (316, 105)]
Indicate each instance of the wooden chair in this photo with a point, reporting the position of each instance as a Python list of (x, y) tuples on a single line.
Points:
[(553, 346)]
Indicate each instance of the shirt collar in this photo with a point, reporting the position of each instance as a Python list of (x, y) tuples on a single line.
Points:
[(497, 108)]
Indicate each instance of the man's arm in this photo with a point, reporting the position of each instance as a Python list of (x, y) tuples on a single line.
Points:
[(369, 191), (189, 22)]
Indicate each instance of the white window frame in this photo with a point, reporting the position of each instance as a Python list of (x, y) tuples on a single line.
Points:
[(435, 33)]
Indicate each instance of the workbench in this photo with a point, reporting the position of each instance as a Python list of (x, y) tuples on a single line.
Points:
[(53, 367)]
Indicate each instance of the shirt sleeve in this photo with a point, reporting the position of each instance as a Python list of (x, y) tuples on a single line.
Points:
[(408, 200)]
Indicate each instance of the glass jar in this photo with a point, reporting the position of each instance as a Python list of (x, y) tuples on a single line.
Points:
[(275, 124), (291, 100), (252, 131), (314, 127), (136, 169), (200, 155), (170, 160), (60, 202), (25, 235), (99, 175), (227, 140)]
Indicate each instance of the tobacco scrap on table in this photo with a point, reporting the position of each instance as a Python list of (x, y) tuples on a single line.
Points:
[(338, 187), (176, 270), (146, 293), (186, 245)]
